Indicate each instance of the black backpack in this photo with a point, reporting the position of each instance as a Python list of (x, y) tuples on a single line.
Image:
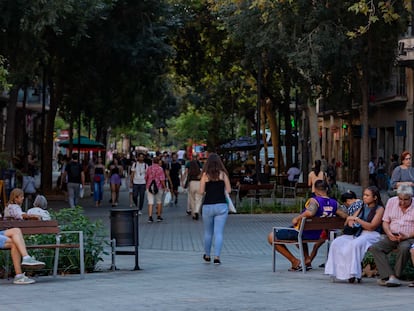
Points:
[(153, 187)]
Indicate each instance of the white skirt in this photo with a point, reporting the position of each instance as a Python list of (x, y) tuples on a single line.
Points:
[(346, 254)]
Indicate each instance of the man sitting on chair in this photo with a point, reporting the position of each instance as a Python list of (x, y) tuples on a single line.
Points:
[(318, 206)]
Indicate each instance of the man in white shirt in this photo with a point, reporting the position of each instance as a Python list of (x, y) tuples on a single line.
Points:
[(180, 156), (138, 171)]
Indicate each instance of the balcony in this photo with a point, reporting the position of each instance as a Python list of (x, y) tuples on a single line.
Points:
[(406, 52)]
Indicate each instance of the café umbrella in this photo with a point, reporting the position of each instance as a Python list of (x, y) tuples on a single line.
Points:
[(85, 144)]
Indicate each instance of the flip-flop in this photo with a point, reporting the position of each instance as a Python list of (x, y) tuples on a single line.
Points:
[(308, 268), (295, 269)]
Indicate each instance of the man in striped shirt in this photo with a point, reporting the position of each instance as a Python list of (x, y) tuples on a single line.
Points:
[(398, 225)]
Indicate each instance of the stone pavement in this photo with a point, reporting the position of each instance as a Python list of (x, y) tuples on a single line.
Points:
[(173, 275)]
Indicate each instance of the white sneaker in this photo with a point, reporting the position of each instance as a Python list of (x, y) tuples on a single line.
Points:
[(393, 282), (32, 263), (22, 280)]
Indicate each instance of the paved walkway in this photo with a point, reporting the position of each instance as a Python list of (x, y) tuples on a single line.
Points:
[(174, 276)]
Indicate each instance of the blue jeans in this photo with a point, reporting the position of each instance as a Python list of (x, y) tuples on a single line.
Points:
[(214, 219), (98, 188), (138, 190)]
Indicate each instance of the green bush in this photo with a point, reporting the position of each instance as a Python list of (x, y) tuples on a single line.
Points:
[(69, 219), (273, 207), (407, 273)]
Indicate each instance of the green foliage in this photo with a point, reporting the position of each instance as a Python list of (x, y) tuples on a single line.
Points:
[(70, 219), (193, 123), (407, 273), (4, 86), (270, 207)]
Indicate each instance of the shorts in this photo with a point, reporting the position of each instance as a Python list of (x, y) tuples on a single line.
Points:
[(155, 197), (115, 179), (3, 239), (284, 234)]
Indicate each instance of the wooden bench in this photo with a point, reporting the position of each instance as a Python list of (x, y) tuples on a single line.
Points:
[(315, 223), (30, 227), (257, 192)]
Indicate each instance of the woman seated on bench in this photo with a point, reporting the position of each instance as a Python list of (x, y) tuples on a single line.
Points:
[(13, 239), (348, 250), (14, 209)]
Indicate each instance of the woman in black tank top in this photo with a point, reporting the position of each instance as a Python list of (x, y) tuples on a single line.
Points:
[(214, 182)]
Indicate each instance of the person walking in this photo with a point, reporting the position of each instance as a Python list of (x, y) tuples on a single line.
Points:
[(116, 171), (98, 181), (76, 179), (175, 175), (214, 183), (404, 173), (194, 198), (138, 172), (155, 186)]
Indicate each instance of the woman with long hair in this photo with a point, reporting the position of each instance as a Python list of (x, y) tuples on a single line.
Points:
[(116, 171), (347, 251), (213, 183), (316, 174), (194, 198)]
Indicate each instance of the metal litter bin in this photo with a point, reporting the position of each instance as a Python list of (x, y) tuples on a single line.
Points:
[(124, 232)]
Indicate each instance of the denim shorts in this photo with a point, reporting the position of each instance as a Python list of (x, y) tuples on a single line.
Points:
[(3, 239)]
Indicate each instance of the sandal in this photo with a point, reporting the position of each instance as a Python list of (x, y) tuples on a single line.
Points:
[(308, 268), (295, 269)]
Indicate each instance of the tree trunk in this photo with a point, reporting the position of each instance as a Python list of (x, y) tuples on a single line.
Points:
[(314, 133), (274, 130), (11, 121), (364, 174)]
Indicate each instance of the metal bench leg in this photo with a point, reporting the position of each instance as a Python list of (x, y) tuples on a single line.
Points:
[(81, 255), (56, 261)]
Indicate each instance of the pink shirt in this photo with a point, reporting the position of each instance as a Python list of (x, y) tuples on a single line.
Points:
[(399, 221), (154, 172)]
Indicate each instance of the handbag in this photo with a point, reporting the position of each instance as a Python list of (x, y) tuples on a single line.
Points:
[(97, 178), (356, 230), (153, 188), (232, 208)]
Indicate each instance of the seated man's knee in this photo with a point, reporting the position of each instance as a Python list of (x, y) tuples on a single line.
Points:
[(270, 237)]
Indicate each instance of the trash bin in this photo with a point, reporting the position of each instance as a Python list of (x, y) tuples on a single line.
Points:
[(124, 226), (124, 230)]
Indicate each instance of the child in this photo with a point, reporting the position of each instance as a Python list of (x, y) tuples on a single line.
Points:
[(40, 208), (13, 208)]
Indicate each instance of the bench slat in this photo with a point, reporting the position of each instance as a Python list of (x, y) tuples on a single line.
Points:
[(51, 246)]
